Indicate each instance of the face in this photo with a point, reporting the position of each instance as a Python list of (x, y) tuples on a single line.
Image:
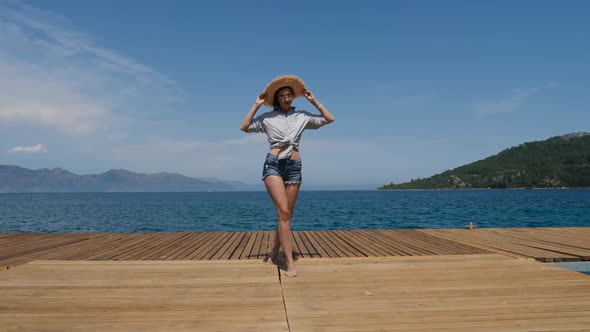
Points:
[(285, 98)]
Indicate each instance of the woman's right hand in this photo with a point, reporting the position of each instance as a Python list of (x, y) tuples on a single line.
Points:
[(261, 99)]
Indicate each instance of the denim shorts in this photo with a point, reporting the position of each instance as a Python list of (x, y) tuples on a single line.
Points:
[(289, 170)]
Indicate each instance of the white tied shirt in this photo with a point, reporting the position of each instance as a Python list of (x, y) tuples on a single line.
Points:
[(285, 129)]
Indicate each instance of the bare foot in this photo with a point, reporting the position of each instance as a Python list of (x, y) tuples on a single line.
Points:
[(272, 259), (292, 273)]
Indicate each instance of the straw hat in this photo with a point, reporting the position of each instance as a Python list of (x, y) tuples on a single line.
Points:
[(286, 80)]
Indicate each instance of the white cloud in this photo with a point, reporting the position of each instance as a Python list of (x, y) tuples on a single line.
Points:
[(508, 104), (49, 30), (76, 119), (57, 78), (39, 148)]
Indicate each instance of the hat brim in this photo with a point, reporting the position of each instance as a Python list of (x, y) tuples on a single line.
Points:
[(291, 81)]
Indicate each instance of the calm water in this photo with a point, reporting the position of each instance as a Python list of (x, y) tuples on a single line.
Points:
[(242, 211)]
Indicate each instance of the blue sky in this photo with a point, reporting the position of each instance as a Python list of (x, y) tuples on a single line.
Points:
[(417, 87)]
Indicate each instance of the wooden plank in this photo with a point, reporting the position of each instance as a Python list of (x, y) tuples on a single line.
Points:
[(334, 248), (427, 244), (349, 250), (362, 237), (138, 252), (88, 248), (345, 247), (229, 247), (545, 244), (324, 252), (295, 247), (62, 245), (26, 245), (558, 236), (442, 293), (298, 247), (264, 245), (241, 245), (127, 243), (192, 242), (530, 239), (217, 247), (453, 246), (212, 248), (167, 248), (144, 244), (434, 244), (302, 248), (400, 239), (206, 246), (444, 233), (5, 235), (474, 238), (18, 241), (312, 250), (324, 241), (72, 249), (163, 240), (393, 239), (247, 253), (361, 244), (271, 242), (311, 242), (256, 252), (392, 249), (142, 296), (494, 242), (15, 242), (197, 246)]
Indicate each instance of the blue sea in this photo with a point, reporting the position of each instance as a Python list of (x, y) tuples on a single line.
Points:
[(248, 211)]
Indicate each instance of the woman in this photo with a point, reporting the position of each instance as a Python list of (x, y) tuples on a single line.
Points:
[(282, 168)]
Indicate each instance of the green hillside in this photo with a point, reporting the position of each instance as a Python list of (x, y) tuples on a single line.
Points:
[(561, 161)]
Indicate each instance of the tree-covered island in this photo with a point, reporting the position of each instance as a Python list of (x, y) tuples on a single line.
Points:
[(558, 162)]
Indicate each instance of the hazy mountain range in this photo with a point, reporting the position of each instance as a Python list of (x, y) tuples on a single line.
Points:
[(14, 179)]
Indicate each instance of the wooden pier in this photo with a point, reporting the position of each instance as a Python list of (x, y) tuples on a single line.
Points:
[(542, 244), (378, 280)]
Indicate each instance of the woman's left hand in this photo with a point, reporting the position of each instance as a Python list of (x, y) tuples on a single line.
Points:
[(309, 96)]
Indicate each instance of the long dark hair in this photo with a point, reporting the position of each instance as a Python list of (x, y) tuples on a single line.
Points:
[(275, 100)]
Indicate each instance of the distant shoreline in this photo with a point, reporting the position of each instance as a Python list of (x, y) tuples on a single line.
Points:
[(516, 188), (302, 190)]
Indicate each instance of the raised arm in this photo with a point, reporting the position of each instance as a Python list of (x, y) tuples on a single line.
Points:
[(248, 119), (325, 113)]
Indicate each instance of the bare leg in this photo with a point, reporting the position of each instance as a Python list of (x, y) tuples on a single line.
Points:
[(274, 254), (278, 192), (292, 191)]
